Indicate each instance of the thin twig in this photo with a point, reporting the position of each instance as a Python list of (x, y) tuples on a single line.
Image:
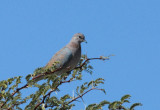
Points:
[(100, 58), (83, 94)]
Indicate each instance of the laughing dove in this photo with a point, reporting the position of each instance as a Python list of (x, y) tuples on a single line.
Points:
[(68, 57)]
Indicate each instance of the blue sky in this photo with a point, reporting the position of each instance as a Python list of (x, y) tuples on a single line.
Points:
[(32, 31)]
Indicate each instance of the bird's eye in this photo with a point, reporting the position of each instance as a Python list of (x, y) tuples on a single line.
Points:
[(80, 37)]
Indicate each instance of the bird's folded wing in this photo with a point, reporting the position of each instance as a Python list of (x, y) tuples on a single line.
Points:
[(61, 58)]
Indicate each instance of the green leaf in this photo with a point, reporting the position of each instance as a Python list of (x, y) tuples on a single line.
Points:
[(125, 97), (18, 108), (3, 91), (135, 105), (114, 105), (77, 89), (65, 97), (103, 90), (18, 80), (126, 101), (83, 87), (90, 107), (104, 102), (3, 85), (28, 77), (90, 83), (10, 80), (79, 77)]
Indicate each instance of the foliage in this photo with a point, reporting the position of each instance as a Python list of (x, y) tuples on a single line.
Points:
[(11, 94)]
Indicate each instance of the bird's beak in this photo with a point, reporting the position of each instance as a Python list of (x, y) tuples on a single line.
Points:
[(84, 41)]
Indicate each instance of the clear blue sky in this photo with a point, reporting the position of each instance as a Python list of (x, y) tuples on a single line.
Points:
[(31, 31)]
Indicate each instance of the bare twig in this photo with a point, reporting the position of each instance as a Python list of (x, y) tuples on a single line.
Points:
[(83, 94), (100, 58)]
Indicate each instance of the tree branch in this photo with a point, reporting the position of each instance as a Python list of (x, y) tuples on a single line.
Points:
[(17, 90), (44, 97), (46, 73)]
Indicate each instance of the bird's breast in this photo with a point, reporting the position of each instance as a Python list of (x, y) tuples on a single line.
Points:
[(76, 55)]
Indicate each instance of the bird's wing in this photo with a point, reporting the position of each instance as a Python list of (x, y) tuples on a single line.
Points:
[(62, 57)]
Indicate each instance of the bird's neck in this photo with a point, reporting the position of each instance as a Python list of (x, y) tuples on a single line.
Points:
[(74, 45)]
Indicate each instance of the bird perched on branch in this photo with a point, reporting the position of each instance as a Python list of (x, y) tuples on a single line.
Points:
[(68, 57)]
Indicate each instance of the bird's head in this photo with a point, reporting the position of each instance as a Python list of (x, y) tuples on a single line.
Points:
[(79, 37)]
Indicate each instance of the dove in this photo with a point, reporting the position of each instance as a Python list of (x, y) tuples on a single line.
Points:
[(68, 57)]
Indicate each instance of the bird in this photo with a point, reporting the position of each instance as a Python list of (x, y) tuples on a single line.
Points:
[(68, 57)]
